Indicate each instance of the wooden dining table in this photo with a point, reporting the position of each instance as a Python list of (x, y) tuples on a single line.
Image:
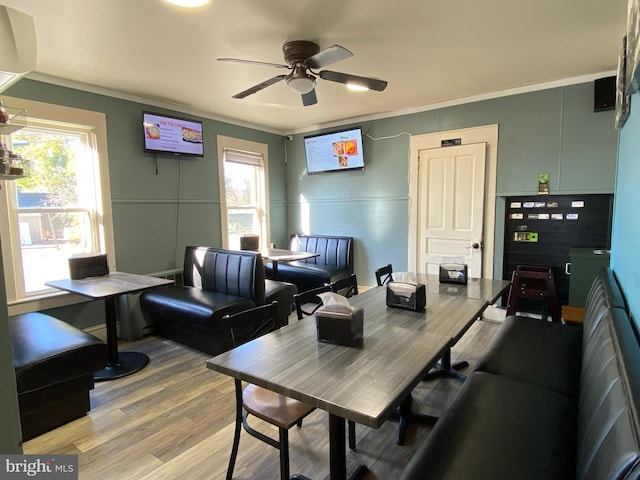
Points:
[(277, 255), (367, 383), (481, 288), (109, 288)]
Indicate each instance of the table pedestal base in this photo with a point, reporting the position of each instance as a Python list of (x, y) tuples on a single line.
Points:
[(405, 416), (128, 363), (444, 369)]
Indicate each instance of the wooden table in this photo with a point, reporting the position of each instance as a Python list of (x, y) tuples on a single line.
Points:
[(441, 299), (276, 255), (109, 288), (365, 384), (482, 288)]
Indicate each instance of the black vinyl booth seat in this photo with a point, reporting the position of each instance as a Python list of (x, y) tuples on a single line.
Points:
[(334, 261), (547, 401), (217, 282), (54, 364)]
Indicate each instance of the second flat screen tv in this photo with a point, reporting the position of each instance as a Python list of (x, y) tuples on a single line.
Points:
[(334, 151), (164, 134)]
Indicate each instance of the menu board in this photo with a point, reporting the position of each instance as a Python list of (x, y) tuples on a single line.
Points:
[(166, 134), (334, 151)]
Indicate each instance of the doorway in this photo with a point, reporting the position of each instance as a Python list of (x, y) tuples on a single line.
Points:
[(451, 207), (441, 195)]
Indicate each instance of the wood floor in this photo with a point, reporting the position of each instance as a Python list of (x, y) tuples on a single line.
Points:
[(174, 420)]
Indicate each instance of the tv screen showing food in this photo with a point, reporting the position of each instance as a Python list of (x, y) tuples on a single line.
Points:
[(334, 151), (172, 135)]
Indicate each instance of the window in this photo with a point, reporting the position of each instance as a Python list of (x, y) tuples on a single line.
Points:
[(57, 210), (243, 179)]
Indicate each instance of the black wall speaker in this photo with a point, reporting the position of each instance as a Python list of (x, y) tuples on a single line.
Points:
[(604, 94)]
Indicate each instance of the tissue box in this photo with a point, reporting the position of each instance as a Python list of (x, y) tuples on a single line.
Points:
[(406, 295), (453, 273), (89, 265), (340, 325)]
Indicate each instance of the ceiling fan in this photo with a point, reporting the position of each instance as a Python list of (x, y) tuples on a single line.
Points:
[(301, 57)]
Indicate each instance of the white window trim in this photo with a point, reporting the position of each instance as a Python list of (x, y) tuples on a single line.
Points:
[(247, 146), (97, 123)]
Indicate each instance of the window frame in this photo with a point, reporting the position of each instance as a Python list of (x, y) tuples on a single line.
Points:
[(246, 146), (85, 121)]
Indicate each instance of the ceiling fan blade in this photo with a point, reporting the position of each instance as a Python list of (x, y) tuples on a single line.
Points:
[(260, 86), (253, 62), (370, 83), (309, 98), (326, 57)]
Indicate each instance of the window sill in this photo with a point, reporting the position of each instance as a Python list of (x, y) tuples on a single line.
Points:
[(58, 298), (44, 301)]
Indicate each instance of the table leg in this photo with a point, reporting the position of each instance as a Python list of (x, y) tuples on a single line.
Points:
[(119, 364), (337, 454), (112, 330)]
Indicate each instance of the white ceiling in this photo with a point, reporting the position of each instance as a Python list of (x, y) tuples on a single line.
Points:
[(430, 51)]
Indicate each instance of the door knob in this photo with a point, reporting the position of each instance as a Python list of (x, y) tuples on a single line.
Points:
[(475, 245)]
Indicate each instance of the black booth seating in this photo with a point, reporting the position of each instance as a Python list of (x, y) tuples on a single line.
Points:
[(217, 282), (54, 364), (547, 401), (333, 262)]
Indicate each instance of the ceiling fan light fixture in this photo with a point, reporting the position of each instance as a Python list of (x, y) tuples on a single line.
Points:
[(356, 87), (301, 83)]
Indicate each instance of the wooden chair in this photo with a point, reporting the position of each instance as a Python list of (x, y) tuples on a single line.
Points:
[(534, 282), (383, 275), (347, 287), (306, 305), (278, 410)]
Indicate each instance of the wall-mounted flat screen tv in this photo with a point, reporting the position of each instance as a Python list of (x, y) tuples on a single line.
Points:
[(334, 151), (164, 134)]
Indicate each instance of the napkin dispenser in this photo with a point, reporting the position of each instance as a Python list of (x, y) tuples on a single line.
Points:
[(340, 324), (453, 273), (88, 265), (406, 295)]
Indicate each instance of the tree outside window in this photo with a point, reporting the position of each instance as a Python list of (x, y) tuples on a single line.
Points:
[(53, 207)]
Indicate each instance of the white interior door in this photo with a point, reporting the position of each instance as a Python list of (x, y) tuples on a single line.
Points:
[(450, 206)]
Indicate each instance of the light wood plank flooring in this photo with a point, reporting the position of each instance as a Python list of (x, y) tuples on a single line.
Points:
[(174, 420)]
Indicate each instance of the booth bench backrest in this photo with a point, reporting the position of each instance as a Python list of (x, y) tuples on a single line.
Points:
[(609, 401), (603, 295), (239, 273), (334, 251)]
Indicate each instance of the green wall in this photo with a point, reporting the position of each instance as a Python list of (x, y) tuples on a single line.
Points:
[(11, 437), (626, 228), (549, 131), (156, 216)]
